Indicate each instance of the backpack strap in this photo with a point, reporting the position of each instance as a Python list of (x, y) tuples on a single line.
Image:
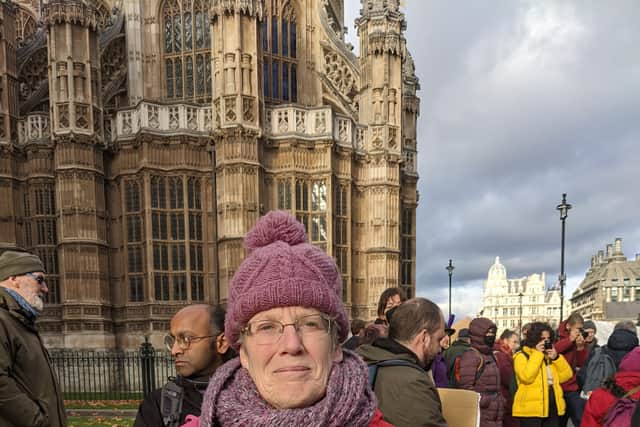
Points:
[(626, 395), (631, 392), (171, 403), (373, 368)]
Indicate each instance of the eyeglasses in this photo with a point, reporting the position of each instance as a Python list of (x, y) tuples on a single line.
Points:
[(39, 278), (184, 342), (267, 332)]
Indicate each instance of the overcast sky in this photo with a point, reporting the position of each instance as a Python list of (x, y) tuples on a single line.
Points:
[(520, 102)]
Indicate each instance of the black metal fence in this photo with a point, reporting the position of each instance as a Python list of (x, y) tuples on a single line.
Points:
[(111, 375)]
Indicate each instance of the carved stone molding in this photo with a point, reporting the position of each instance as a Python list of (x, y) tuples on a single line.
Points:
[(70, 12), (251, 8)]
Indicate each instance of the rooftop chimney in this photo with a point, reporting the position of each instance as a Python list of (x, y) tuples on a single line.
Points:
[(609, 250), (617, 246), (600, 256)]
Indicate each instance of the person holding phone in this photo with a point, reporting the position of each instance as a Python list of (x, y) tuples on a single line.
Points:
[(539, 371)]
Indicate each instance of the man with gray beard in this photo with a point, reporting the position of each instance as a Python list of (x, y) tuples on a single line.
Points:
[(29, 390)]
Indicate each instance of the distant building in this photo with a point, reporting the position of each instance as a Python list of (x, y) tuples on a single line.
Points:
[(504, 298), (611, 288)]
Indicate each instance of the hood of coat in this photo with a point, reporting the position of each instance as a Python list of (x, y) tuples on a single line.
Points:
[(478, 329), (629, 380), (631, 362), (386, 349), (622, 339), (11, 305)]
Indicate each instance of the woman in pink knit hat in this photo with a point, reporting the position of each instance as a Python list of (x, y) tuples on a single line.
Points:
[(286, 319)]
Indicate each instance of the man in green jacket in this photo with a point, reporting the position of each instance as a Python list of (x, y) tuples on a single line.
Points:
[(462, 344), (406, 394), (29, 391)]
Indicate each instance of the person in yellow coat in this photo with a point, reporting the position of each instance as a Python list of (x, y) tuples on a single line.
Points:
[(539, 371)]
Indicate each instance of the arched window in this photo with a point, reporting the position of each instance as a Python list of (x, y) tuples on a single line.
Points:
[(25, 25), (279, 46), (186, 48)]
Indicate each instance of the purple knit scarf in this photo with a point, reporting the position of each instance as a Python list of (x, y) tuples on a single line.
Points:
[(232, 399)]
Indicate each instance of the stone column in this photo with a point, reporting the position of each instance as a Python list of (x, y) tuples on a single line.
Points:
[(75, 96), (235, 50)]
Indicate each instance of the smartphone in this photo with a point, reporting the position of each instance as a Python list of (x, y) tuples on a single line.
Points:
[(548, 345)]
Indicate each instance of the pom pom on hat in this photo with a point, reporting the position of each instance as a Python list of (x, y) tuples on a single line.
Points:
[(275, 226), (283, 270)]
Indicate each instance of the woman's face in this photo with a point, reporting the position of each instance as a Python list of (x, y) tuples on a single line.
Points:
[(293, 371)]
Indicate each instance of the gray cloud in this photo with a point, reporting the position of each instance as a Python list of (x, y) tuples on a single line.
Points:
[(522, 101)]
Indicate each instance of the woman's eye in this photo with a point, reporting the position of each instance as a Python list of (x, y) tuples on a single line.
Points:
[(265, 327)]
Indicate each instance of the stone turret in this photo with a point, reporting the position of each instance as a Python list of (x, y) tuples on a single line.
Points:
[(382, 47), (235, 55), (10, 235), (9, 109), (75, 99)]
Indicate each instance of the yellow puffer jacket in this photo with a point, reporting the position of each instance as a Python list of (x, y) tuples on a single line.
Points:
[(532, 397)]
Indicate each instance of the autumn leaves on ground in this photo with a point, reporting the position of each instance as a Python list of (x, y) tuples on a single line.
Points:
[(81, 414)]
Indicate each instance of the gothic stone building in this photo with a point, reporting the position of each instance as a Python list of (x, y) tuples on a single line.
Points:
[(512, 303), (141, 139), (611, 287)]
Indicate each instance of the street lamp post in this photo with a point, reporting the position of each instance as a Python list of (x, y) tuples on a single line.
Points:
[(520, 313), (564, 209), (450, 269)]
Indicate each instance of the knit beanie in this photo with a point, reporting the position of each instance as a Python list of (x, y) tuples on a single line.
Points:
[(631, 362), (13, 263), (589, 324), (283, 270)]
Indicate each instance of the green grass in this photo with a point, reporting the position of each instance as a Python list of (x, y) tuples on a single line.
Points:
[(96, 421), (102, 404), (103, 396)]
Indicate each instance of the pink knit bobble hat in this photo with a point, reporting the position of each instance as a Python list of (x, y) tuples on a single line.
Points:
[(283, 270)]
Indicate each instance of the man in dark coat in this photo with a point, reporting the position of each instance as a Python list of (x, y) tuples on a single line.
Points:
[(199, 347), (357, 332), (622, 340), (406, 394), (29, 389), (480, 373)]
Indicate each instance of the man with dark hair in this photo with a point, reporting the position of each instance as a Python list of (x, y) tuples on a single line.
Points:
[(406, 393), (199, 347), (357, 332), (29, 391), (590, 341), (390, 298), (571, 344)]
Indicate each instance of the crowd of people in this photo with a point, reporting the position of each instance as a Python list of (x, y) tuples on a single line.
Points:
[(281, 355)]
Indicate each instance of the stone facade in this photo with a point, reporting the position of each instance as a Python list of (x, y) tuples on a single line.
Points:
[(141, 140), (504, 298), (611, 287)]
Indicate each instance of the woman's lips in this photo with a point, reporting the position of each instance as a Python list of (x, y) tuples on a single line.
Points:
[(292, 369)]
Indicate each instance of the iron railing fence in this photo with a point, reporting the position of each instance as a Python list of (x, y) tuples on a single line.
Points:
[(111, 375)]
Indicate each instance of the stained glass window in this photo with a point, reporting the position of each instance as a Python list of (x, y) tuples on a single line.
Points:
[(280, 78), (187, 44)]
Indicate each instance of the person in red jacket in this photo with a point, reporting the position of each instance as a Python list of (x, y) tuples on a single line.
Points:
[(603, 398), (503, 352), (572, 346)]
